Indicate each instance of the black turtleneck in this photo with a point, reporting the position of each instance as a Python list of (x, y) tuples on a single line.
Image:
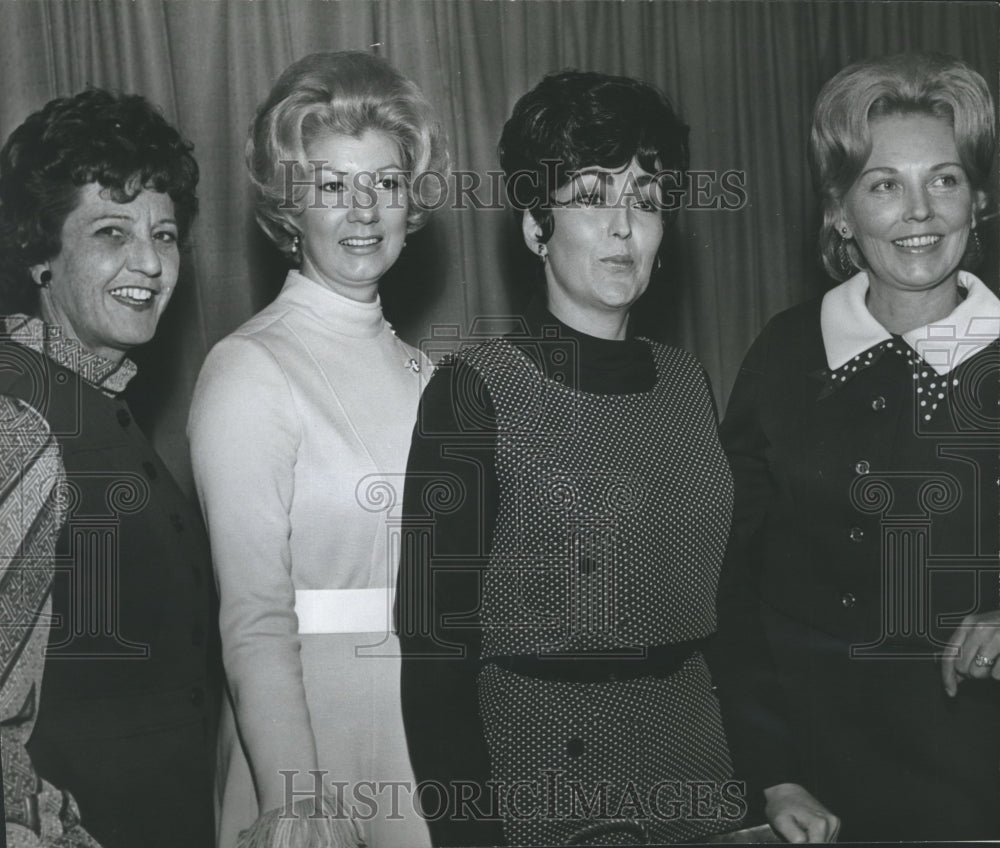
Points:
[(440, 704), (597, 366)]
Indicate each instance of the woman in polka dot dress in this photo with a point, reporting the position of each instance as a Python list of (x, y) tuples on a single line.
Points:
[(864, 439), (566, 510)]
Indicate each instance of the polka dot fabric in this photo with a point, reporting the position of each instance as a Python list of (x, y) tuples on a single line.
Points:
[(931, 388), (629, 753), (614, 509), (613, 519)]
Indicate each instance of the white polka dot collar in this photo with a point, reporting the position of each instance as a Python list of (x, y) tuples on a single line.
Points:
[(851, 331)]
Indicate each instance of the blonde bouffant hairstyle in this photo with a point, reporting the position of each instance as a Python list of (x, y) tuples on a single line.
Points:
[(904, 84), (340, 93)]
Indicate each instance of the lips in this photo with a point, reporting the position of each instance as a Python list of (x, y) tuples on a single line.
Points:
[(361, 241), (916, 242), (619, 261), (134, 296)]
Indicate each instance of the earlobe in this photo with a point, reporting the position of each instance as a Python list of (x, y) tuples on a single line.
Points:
[(532, 232), (41, 276), (843, 228), (979, 206)]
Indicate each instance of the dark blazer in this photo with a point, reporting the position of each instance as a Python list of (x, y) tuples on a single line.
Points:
[(862, 534), (130, 694)]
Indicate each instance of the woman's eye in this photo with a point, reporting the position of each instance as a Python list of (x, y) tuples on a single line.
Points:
[(111, 232), (333, 186), (644, 204), (884, 185), (166, 236), (946, 181), (390, 182), (590, 198)]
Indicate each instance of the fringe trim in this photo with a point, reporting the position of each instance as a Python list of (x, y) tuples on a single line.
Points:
[(303, 829)]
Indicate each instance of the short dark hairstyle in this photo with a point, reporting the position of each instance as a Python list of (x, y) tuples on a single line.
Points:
[(341, 93), (120, 141), (573, 119), (904, 84)]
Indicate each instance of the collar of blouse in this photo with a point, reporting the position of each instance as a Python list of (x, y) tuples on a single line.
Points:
[(849, 329), (50, 340)]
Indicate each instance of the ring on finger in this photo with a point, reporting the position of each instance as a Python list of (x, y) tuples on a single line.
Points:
[(983, 662)]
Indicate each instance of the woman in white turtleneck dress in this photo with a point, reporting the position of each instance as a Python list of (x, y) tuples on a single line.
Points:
[(299, 429)]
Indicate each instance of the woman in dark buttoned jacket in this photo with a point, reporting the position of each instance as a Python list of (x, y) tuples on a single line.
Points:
[(863, 436), (96, 192)]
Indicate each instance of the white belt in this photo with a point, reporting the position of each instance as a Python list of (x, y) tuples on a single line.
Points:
[(343, 610)]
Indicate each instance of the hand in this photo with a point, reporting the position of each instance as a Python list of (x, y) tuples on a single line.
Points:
[(977, 636), (798, 817)]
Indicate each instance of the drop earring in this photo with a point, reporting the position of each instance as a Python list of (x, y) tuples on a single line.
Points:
[(44, 279), (844, 260), (973, 248)]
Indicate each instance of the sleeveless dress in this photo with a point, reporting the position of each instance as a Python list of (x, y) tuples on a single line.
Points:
[(603, 527), (126, 719)]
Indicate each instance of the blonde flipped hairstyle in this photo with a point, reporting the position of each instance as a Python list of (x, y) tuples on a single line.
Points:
[(904, 84), (341, 93)]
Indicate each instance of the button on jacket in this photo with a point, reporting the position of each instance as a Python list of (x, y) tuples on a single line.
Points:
[(130, 690), (865, 527)]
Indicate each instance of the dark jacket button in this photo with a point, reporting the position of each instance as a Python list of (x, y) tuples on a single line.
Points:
[(574, 747), (855, 534), (878, 404), (150, 470), (123, 417), (848, 600), (862, 466)]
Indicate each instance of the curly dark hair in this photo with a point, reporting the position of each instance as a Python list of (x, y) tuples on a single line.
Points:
[(120, 141), (575, 119)]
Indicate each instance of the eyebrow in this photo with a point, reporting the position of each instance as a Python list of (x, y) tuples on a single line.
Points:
[(120, 216), (888, 170), (326, 169), (607, 176)]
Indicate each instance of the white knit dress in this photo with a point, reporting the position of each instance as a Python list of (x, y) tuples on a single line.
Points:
[(300, 428)]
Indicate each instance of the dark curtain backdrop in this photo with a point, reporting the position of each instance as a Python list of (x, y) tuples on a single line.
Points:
[(743, 75)]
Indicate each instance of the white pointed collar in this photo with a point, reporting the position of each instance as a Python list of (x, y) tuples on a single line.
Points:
[(850, 329)]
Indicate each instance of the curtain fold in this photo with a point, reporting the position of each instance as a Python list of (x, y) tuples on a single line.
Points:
[(742, 74)]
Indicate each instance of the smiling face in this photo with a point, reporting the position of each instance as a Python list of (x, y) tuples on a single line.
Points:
[(116, 270), (607, 227), (911, 209), (355, 231)]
